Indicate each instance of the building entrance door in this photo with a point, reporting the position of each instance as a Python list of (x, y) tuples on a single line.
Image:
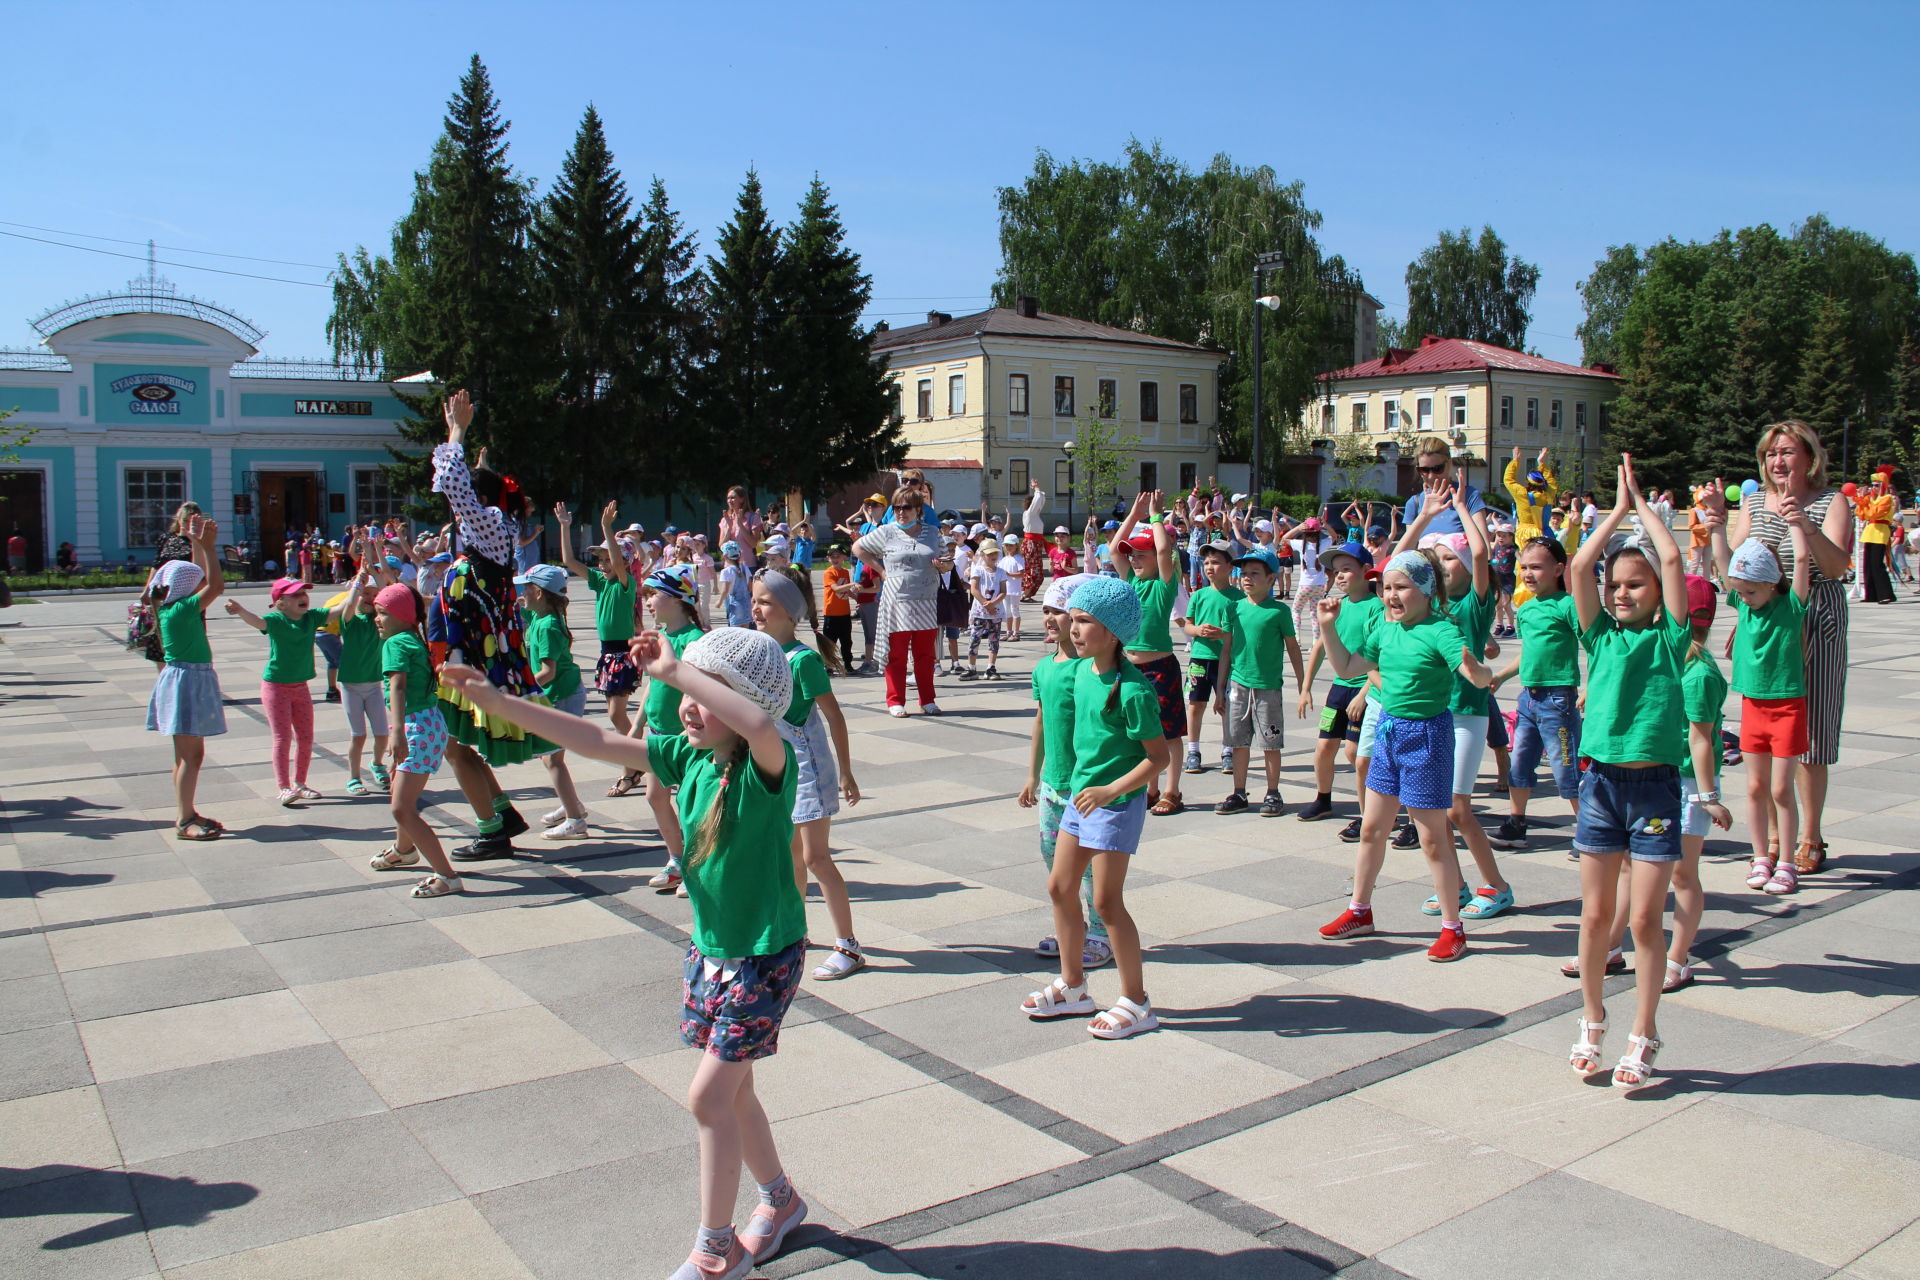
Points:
[(289, 506), (23, 512)]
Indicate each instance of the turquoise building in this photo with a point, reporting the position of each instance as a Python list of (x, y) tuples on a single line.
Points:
[(145, 398)]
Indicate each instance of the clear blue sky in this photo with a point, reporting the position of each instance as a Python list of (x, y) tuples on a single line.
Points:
[(292, 131)]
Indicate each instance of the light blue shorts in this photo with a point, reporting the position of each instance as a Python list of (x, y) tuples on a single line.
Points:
[(1114, 829), (1369, 729), (1693, 818)]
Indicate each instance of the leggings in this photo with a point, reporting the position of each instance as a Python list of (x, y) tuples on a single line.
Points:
[(869, 614), (838, 628), (289, 709), (921, 643), (987, 629)]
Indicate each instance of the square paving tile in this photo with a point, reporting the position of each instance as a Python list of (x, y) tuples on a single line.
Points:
[(904, 967), (492, 933), (1803, 999), (631, 1022), (141, 985), (98, 945), (463, 1247), (40, 1135), (330, 957), (137, 1044), (23, 957), (310, 917), (465, 1055), (379, 1002), (1896, 1258), (974, 1027), (582, 968), (42, 1060), (1310, 1031), (32, 1002), (1177, 908), (817, 1068)]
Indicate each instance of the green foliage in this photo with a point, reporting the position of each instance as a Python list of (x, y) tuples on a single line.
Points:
[(1650, 418), (53, 580), (1295, 506), (1606, 293), (1152, 245), (743, 377), (13, 439), (1460, 287), (1103, 458), (1897, 439), (1826, 395)]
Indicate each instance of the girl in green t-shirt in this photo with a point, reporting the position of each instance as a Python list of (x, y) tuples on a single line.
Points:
[(736, 776), (360, 680), (813, 719), (1146, 562), (284, 697), (419, 738), (550, 652), (186, 698), (614, 608), (1547, 716), (1347, 566), (1118, 749), (673, 599)]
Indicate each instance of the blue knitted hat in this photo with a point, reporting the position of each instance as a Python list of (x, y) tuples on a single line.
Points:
[(1113, 605)]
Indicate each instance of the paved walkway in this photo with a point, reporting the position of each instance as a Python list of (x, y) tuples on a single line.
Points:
[(257, 1058)]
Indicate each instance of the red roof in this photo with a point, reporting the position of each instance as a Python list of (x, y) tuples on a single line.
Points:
[(1447, 355)]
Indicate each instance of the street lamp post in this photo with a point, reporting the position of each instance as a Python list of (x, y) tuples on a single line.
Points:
[(1261, 262), (1067, 449)]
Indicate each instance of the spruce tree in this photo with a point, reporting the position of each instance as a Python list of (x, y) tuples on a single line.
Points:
[(590, 254), (454, 296), (1899, 436), (1826, 394), (670, 370), (1747, 395), (835, 401), (740, 393), (1648, 419)]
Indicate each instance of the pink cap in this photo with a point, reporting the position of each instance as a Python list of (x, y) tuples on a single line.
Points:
[(283, 587), (1312, 525), (399, 601)]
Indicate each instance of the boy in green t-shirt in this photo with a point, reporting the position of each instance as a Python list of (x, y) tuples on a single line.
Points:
[(1209, 628), (1256, 697), (615, 602), (550, 653), (362, 697)]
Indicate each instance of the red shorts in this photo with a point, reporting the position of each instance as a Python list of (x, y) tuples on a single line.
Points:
[(1773, 727)]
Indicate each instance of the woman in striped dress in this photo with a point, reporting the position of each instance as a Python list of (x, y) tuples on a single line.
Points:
[(905, 551), (1793, 473)]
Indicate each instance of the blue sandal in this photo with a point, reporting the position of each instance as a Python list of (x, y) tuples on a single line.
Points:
[(355, 787), (1431, 907), (1488, 903)]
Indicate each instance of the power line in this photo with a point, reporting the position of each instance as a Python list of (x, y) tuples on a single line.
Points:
[(186, 266), (170, 248)]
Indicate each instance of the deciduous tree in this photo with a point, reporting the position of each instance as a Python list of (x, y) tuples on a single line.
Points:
[(1461, 287)]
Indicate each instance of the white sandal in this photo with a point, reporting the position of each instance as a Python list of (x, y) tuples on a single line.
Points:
[(1678, 977), (437, 886), (1637, 1065), (1587, 1048), (840, 964), (1058, 1000), (391, 859), (1138, 1018)]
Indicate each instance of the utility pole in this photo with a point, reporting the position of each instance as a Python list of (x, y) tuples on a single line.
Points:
[(1261, 262)]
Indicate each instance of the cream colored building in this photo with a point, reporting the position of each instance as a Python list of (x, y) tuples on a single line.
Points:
[(1483, 400), (1006, 390)]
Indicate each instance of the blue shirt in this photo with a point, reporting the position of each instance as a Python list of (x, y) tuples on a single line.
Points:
[(1447, 521), (525, 557)]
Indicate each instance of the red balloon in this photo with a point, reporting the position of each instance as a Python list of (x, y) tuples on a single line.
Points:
[(1851, 489)]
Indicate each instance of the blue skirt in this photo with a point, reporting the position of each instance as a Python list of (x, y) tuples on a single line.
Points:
[(186, 701)]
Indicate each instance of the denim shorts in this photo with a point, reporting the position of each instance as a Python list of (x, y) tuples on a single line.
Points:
[(1413, 759), (1631, 811), (1693, 817), (1547, 722), (737, 1018), (1114, 829)]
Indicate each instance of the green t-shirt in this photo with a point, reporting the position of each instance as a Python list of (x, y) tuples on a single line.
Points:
[(1416, 664), (183, 631), (1053, 690), (1549, 629), (1473, 614), (742, 892), (612, 606), (1356, 619), (1769, 659), (1106, 744), (661, 704), (1156, 610), (810, 680), (1261, 629), (549, 639), (1209, 606), (290, 645), (1633, 690), (1703, 688), (407, 654), (359, 649)]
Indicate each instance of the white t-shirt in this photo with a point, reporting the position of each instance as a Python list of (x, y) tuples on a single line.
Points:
[(962, 560), (989, 582), (1309, 549), (1013, 565)]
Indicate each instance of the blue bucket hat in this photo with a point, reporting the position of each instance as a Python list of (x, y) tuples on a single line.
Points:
[(1113, 604), (547, 577)]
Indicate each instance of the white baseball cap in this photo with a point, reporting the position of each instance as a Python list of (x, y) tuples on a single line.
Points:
[(1264, 526)]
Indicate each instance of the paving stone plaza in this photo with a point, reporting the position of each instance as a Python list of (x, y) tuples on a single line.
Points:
[(258, 1058)]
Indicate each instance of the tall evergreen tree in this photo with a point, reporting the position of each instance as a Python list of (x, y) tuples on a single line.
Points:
[(589, 254), (671, 368), (740, 394), (1649, 419), (1899, 437), (1748, 394), (454, 294), (835, 398), (1826, 395)]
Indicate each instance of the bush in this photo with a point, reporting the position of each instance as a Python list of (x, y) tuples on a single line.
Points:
[(1295, 506), (32, 582)]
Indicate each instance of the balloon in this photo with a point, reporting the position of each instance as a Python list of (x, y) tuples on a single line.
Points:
[(1748, 487), (1851, 489), (1733, 493)]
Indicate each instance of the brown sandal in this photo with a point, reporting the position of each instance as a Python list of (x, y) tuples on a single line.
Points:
[(1809, 857), (1168, 805), (628, 781)]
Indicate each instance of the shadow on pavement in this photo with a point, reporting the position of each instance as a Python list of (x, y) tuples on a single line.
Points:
[(142, 1201)]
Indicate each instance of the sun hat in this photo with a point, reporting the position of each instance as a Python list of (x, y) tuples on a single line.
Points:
[(977, 530), (1536, 478), (1221, 545), (748, 662), (776, 545), (1418, 568), (1239, 497), (392, 562), (1111, 524), (729, 548), (547, 577), (876, 499), (1113, 605), (635, 527), (399, 600), (1754, 561), (1061, 590), (1454, 542), (180, 578), (1312, 525), (782, 527), (1011, 539), (784, 591), (1263, 555), (445, 557), (988, 548), (284, 587), (1263, 526)]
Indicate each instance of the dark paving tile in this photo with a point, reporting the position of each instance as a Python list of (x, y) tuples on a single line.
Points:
[(111, 990), (1312, 1031), (83, 1226), (544, 1127), (141, 869), (308, 1181), (1612, 1234), (326, 957), (1287, 882), (240, 883), (38, 1001), (42, 1060), (978, 1027), (311, 917), (628, 1022), (222, 1102), (1866, 1098), (551, 974), (24, 957)]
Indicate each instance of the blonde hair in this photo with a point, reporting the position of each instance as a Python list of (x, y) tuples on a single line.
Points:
[(1432, 444), (907, 496), (181, 513), (705, 838), (1808, 439)]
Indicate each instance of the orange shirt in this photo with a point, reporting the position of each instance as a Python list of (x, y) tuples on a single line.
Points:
[(1698, 534), (837, 605)]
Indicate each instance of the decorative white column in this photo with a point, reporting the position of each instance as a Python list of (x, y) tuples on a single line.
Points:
[(86, 504), (222, 498)]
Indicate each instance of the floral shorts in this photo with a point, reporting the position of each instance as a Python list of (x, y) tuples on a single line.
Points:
[(737, 1018)]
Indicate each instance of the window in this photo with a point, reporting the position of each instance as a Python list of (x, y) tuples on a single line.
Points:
[(1189, 402), (1326, 419), (1062, 477), (1423, 414), (1017, 476), (1390, 416), (1063, 397), (1580, 416), (1359, 416), (1149, 477), (1605, 418), (956, 394), (1149, 402), (373, 497), (923, 403), (1506, 411), (1189, 476), (152, 497), (1556, 415), (1109, 398), (1017, 393), (894, 390), (1457, 411), (1533, 414)]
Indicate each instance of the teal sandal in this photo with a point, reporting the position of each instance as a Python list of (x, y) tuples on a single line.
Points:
[(381, 776), (1488, 902), (355, 787), (1431, 907)]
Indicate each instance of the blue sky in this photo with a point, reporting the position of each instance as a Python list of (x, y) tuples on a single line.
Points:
[(291, 131)]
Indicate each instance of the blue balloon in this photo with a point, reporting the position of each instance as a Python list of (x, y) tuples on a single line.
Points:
[(1749, 487)]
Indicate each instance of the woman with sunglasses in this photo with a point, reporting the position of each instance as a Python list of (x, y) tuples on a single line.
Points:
[(904, 552), (1434, 461)]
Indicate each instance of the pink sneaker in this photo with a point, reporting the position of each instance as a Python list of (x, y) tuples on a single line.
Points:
[(701, 1265), (767, 1229)]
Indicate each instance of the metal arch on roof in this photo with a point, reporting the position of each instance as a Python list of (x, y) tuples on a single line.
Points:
[(153, 296)]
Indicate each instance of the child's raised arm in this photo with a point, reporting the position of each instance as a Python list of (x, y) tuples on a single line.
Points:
[(556, 726), (1476, 535), (568, 561), (1673, 570), (246, 615), (1800, 531), (1436, 497), (202, 532), (616, 558), (1580, 580)]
